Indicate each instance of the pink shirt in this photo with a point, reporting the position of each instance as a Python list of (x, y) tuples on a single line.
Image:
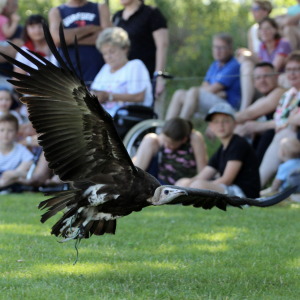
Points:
[(3, 20)]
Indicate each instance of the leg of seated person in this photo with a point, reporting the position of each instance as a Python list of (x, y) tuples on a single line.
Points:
[(197, 99), (190, 104), (184, 182), (263, 144), (40, 174), (247, 85), (291, 33), (176, 104), (271, 161), (207, 185), (148, 148)]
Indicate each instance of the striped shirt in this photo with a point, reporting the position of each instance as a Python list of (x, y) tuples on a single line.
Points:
[(14, 158)]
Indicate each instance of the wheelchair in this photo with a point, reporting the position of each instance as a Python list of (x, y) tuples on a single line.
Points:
[(133, 122)]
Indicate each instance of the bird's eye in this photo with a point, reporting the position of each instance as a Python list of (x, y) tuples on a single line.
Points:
[(166, 192)]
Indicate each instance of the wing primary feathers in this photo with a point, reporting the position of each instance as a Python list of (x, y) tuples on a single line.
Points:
[(64, 48), (52, 46), (265, 202), (77, 57), (27, 55)]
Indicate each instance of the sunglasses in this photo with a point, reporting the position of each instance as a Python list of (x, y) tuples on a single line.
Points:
[(255, 8)]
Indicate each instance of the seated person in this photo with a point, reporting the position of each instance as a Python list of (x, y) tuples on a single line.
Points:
[(265, 81), (286, 119), (289, 152), (15, 159), (273, 49), (259, 9), (289, 25), (179, 151), (120, 82), (6, 102), (235, 160), (221, 83)]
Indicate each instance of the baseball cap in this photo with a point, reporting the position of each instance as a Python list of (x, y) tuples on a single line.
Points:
[(221, 108)]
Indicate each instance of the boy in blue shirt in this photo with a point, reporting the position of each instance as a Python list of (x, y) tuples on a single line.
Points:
[(289, 152)]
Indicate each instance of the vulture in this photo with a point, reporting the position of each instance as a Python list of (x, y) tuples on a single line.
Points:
[(83, 148)]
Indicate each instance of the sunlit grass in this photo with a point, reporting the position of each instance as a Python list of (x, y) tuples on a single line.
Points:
[(160, 253)]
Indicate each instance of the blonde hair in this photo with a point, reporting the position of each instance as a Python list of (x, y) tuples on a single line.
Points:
[(265, 5), (114, 36), (2, 5), (290, 147)]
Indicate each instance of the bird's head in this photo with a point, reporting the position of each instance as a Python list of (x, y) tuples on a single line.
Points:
[(165, 194)]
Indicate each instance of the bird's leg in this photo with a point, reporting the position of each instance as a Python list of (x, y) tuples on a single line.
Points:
[(78, 232), (78, 240)]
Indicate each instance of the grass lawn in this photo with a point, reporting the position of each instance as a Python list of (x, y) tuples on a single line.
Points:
[(160, 253)]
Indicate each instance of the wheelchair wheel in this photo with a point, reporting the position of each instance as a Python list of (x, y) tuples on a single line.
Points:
[(135, 135)]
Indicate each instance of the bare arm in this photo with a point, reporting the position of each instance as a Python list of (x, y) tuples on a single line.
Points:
[(80, 32), (251, 127), (10, 27), (207, 173), (293, 21), (231, 171), (161, 39), (148, 148), (104, 96), (104, 13), (9, 177), (276, 185), (279, 62), (214, 88), (261, 107), (199, 149)]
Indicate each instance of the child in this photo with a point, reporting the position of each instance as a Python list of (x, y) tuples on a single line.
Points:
[(7, 26), (15, 159), (289, 152), (235, 160), (178, 151), (6, 101)]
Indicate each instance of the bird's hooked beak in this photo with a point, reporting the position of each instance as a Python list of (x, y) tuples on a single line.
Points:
[(165, 194)]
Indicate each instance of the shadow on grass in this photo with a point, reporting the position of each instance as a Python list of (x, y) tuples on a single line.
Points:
[(164, 253)]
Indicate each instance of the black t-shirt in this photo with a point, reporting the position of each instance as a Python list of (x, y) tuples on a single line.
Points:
[(140, 27), (248, 177)]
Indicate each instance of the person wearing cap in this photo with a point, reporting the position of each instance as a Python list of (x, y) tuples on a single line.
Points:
[(235, 160)]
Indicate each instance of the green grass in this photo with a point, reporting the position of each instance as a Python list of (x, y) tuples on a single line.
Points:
[(160, 253)]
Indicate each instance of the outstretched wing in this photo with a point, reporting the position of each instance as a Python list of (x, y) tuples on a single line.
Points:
[(207, 199), (77, 135)]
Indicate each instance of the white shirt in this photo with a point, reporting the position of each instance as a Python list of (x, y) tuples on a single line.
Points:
[(15, 157), (133, 78), (24, 60), (255, 39)]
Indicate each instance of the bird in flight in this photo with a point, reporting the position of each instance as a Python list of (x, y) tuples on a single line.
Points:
[(83, 148)]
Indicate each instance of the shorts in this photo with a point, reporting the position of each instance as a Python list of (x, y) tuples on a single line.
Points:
[(207, 100), (233, 190)]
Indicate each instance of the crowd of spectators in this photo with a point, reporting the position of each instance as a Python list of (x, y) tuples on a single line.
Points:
[(250, 96)]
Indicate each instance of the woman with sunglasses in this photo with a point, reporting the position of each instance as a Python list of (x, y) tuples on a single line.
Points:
[(246, 57)]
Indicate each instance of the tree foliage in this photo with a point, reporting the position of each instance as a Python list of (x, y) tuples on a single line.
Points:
[(192, 24)]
